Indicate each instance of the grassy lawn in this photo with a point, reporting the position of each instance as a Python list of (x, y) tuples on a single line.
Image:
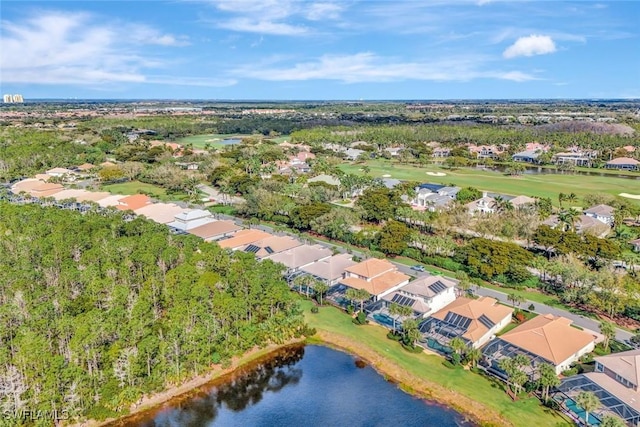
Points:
[(524, 412), (529, 185), (213, 139)]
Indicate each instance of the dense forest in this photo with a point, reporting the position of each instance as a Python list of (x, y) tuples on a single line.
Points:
[(96, 311)]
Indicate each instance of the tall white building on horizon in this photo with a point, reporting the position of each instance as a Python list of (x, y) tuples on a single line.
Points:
[(12, 99)]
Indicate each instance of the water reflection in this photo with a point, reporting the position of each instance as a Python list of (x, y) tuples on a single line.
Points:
[(312, 386)]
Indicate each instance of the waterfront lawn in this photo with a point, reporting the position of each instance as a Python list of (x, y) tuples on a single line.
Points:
[(490, 393), (214, 139), (549, 185)]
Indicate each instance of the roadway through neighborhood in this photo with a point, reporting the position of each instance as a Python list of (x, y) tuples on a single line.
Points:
[(579, 320)]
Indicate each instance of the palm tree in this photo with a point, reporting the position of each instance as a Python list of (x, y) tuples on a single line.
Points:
[(458, 345), (571, 198), (609, 332), (473, 356), (568, 218), (320, 289), (610, 420), (501, 205), (587, 401), (411, 331), (359, 295), (515, 299), (561, 198), (548, 379), (396, 310)]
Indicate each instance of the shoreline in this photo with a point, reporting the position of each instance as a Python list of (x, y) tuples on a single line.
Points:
[(420, 388), (470, 409), (157, 401)]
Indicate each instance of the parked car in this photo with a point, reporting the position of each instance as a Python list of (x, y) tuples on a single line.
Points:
[(418, 267)]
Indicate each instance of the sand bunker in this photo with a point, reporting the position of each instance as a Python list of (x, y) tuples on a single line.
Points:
[(436, 174), (212, 140), (630, 196), (386, 175)]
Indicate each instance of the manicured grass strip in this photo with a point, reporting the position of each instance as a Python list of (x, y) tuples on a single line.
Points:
[(548, 185), (135, 187), (426, 375)]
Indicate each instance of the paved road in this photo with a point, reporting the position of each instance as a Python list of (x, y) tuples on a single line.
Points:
[(582, 321)]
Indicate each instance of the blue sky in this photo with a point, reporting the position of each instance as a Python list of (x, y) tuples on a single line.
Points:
[(280, 49)]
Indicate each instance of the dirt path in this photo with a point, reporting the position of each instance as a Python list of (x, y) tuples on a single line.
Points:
[(416, 386)]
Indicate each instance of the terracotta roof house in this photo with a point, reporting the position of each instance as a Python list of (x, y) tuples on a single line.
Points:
[(162, 213), (614, 381), (544, 339), (188, 219), (133, 203), (69, 194), (46, 189), (107, 164), (377, 276), (26, 185), (474, 320), (623, 163), (300, 256), (43, 177), (329, 270), (271, 245), (425, 295), (112, 201), (629, 148), (93, 196), (603, 213), (85, 167), (522, 201), (243, 238), (215, 230), (585, 224)]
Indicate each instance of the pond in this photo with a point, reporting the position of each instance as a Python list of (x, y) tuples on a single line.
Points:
[(537, 170), (230, 141), (303, 386)]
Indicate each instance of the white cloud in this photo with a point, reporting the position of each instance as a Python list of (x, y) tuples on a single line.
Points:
[(368, 67), (77, 49), (530, 46), (274, 17)]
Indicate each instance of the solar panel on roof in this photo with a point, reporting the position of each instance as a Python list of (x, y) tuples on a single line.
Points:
[(252, 248), (268, 249), (457, 320), (437, 287), (403, 300), (486, 321)]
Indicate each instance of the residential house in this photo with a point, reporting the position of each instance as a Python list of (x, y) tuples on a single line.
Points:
[(441, 152), (133, 203), (60, 172), (390, 183), (486, 204), (187, 220), (190, 166), (215, 230), (584, 224), (377, 276), (522, 202), (46, 189), (270, 245), (301, 157), (26, 185), (486, 151), (92, 196), (424, 295), (603, 213), (300, 256), (614, 381), (394, 151), (69, 194), (243, 238), (476, 321), (110, 201), (162, 213), (84, 168), (544, 339), (527, 156), (434, 200), (352, 153), (623, 163), (576, 158), (329, 270), (636, 244)]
